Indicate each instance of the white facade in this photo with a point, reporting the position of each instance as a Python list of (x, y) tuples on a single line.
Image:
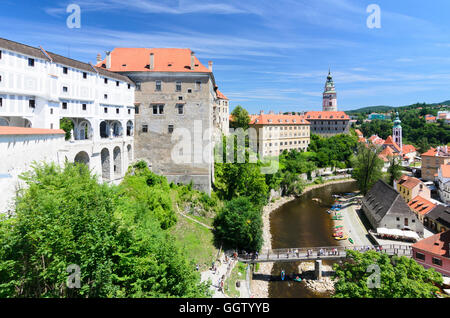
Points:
[(17, 153), (37, 89)]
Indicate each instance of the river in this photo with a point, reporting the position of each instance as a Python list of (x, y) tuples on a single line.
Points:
[(303, 223)]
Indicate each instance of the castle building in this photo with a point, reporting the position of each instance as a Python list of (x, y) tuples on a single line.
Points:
[(329, 95), (277, 132), (177, 103), (40, 88)]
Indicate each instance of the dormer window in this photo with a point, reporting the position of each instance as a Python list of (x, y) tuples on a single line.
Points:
[(65, 70), (31, 62)]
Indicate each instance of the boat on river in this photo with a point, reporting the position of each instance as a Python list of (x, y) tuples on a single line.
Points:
[(283, 275), (341, 238)]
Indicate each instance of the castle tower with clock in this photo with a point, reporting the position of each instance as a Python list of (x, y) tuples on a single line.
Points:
[(329, 95)]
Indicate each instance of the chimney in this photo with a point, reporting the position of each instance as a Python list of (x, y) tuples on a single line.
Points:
[(152, 61), (210, 65), (192, 61), (108, 60), (99, 58)]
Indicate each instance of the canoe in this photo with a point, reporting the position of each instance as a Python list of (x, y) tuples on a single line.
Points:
[(350, 240), (298, 279), (282, 275)]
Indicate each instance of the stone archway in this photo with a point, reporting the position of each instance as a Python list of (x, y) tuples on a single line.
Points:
[(82, 157), (130, 154), (117, 162), (130, 128), (104, 130), (105, 160)]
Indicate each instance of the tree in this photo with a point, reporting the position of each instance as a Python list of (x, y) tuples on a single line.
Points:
[(399, 277), (65, 217), (241, 118), (395, 170), (367, 167), (239, 225)]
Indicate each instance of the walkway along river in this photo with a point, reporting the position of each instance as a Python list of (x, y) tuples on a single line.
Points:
[(303, 222)]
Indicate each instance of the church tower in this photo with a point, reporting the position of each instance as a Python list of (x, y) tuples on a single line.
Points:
[(397, 132), (329, 95)]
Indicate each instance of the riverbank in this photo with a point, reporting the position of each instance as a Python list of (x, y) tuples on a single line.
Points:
[(260, 286)]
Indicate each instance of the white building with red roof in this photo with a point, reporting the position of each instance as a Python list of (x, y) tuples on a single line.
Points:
[(278, 132), (179, 110), (434, 252), (443, 179), (39, 88), (19, 148)]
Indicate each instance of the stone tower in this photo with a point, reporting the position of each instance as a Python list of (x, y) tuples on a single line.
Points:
[(397, 132), (329, 95)]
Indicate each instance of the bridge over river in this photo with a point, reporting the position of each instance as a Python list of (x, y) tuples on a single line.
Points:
[(320, 253)]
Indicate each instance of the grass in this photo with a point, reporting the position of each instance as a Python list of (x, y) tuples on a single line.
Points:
[(197, 241), (230, 284)]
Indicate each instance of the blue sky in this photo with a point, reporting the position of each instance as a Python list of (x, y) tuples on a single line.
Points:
[(268, 54)]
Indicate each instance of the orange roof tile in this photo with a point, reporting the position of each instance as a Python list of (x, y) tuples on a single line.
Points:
[(390, 142), (273, 119), (220, 95), (165, 60), (387, 152), (327, 115), (421, 205), (408, 149), (409, 182), (437, 244), (9, 130), (362, 139), (359, 132), (441, 151)]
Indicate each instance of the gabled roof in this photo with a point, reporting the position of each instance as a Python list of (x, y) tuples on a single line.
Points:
[(9, 130), (59, 59), (277, 119), (165, 60), (440, 214), (318, 115), (437, 244), (408, 149), (421, 205), (390, 142), (220, 95), (409, 182), (376, 140), (441, 151), (382, 199)]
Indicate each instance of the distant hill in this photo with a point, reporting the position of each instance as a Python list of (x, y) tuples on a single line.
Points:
[(383, 109)]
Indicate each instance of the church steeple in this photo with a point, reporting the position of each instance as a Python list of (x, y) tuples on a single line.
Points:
[(397, 132), (329, 94)]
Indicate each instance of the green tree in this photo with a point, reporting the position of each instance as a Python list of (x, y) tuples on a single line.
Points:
[(239, 225), (367, 167), (399, 277), (65, 217), (241, 118), (67, 125), (395, 170)]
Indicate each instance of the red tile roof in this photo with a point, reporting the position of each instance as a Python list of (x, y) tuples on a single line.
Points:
[(165, 60), (327, 115), (362, 139), (408, 149), (409, 182), (272, 119), (359, 133), (437, 244), (390, 142), (220, 95), (421, 205), (441, 151), (8, 130), (376, 140)]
